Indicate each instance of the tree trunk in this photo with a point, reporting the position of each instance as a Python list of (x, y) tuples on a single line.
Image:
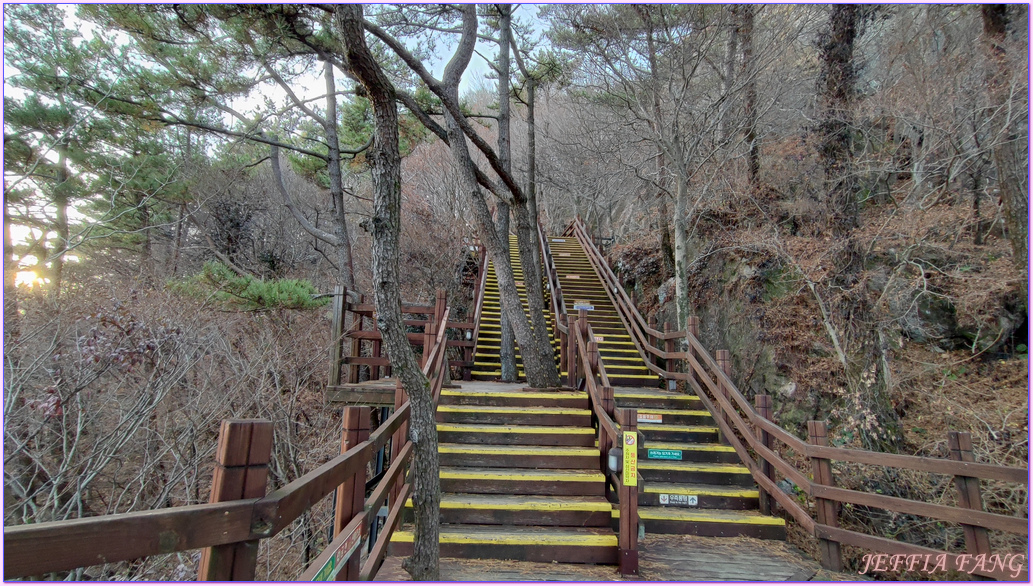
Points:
[(385, 163), (1009, 136), (333, 165), (507, 351), (749, 71), (507, 344), (540, 372), (836, 96), (684, 254), (728, 77)]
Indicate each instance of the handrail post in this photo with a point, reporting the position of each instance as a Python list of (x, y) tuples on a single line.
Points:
[(723, 358), (692, 328), (831, 559), (351, 495), (241, 472), (607, 400), (440, 305), (763, 403), (572, 362), (337, 334), (356, 346), (593, 357), (652, 340), (977, 540), (628, 499), (561, 319), (398, 439), (671, 383)]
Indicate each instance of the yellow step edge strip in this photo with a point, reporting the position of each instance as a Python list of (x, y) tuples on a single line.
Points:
[(578, 539), (516, 450), (528, 410), (687, 447), (522, 505), (472, 428), (532, 475), (686, 467), (695, 490), (701, 516), (666, 427), (505, 394)]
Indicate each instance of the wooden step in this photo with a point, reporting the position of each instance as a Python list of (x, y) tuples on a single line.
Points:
[(641, 398), (695, 473), (491, 480), (697, 496), (687, 452), (586, 545), (676, 416), (514, 415), (534, 435), (679, 433), (711, 522), (501, 509), (568, 457), (528, 398)]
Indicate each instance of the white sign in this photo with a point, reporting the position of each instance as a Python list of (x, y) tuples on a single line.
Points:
[(690, 500)]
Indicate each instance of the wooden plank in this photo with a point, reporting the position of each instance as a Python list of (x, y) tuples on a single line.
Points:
[(923, 464), (975, 518), (40, 548), (281, 507), (831, 556), (894, 547), (371, 397), (977, 540), (241, 472)]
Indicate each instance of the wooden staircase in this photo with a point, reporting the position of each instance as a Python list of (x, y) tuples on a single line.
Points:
[(487, 363), (581, 286), (520, 479), (690, 482)]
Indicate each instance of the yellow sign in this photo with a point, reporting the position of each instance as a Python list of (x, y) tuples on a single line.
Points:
[(630, 458)]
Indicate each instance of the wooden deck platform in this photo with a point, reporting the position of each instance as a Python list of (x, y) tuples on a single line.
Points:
[(662, 558)]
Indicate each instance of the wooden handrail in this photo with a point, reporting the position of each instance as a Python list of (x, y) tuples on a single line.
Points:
[(740, 424)]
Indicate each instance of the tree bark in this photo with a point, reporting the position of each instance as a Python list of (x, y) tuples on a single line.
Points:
[(749, 72), (12, 317), (507, 351), (385, 162), (333, 165), (684, 254), (836, 96), (1007, 131)]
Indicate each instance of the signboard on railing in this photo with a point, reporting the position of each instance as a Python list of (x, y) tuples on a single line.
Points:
[(630, 458), (579, 305), (341, 555)]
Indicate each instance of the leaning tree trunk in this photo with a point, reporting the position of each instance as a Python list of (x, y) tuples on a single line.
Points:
[(333, 167), (540, 371), (385, 163)]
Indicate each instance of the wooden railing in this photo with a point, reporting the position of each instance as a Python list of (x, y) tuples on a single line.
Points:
[(360, 343), (559, 309), (588, 373), (240, 514), (750, 431)]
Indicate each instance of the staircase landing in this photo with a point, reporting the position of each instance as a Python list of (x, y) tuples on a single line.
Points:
[(682, 558)]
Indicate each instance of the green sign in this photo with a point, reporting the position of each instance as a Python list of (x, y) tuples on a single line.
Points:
[(664, 454), (324, 573)]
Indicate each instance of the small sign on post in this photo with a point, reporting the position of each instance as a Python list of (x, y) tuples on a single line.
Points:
[(630, 458), (579, 305), (650, 418)]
